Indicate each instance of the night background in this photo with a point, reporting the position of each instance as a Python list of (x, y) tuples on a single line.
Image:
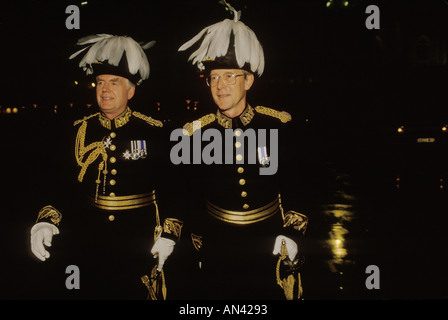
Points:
[(382, 193)]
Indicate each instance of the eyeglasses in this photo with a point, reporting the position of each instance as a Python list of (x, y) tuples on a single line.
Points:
[(227, 79)]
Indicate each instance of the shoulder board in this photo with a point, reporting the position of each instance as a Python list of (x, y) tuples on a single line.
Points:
[(191, 127), (85, 118), (148, 119), (282, 115)]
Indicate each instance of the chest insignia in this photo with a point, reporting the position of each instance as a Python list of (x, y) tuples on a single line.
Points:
[(137, 150), (263, 158)]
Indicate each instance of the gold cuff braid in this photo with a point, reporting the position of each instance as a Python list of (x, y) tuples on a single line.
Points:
[(297, 220), (49, 212), (197, 241), (173, 227)]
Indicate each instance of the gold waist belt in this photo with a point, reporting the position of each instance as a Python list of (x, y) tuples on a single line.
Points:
[(244, 217), (124, 202)]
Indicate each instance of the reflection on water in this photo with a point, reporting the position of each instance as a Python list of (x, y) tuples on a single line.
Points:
[(337, 236), (340, 213)]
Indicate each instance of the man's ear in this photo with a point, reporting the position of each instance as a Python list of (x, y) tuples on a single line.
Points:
[(249, 80), (131, 92)]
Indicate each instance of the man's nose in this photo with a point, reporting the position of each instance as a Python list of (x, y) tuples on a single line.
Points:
[(220, 84), (105, 88)]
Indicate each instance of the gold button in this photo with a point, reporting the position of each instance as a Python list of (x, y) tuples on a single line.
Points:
[(114, 171), (112, 182), (238, 144), (245, 206), (113, 147), (111, 217), (240, 169), (244, 194), (112, 194), (113, 160), (113, 135), (238, 132), (242, 182), (239, 157)]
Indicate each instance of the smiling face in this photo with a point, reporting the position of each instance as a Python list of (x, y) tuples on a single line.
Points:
[(231, 99), (112, 94)]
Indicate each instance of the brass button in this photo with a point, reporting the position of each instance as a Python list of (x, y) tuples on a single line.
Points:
[(113, 135), (111, 217), (238, 132), (239, 157), (113, 147), (112, 194), (240, 169), (113, 171), (244, 194), (112, 160), (242, 182), (112, 182), (245, 206), (238, 144)]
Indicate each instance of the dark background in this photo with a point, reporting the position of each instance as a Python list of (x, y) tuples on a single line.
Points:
[(352, 87)]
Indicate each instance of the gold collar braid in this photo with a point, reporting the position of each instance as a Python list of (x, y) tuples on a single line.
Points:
[(245, 117), (119, 121)]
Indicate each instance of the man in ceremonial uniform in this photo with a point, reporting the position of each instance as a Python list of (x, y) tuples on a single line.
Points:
[(246, 240), (109, 218)]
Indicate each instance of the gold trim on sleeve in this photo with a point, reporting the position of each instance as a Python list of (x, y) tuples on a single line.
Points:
[(172, 226), (49, 212), (197, 241), (297, 220)]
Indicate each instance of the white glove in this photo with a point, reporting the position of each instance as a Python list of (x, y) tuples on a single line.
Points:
[(291, 247), (42, 234), (162, 249)]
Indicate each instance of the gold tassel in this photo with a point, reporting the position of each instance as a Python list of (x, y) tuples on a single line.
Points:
[(289, 283), (156, 278), (152, 284)]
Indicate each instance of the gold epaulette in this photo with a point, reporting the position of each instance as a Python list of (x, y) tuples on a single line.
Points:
[(282, 115), (191, 127), (149, 120), (85, 118)]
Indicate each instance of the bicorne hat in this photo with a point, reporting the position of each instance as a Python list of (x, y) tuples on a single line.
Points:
[(228, 44), (117, 55)]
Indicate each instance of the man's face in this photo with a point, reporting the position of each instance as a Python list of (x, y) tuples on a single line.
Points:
[(112, 94), (231, 98)]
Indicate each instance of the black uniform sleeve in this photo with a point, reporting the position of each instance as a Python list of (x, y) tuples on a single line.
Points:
[(53, 183), (170, 191), (294, 174)]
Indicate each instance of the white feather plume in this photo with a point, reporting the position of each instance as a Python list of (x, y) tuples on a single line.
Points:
[(216, 40), (102, 47)]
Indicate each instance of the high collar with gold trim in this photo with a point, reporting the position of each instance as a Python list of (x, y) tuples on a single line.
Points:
[(118, 121), (245, 117)]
